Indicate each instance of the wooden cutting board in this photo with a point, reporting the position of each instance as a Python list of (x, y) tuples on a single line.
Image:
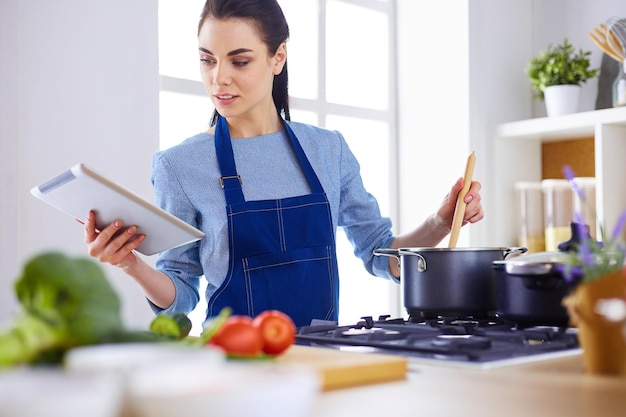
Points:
[(342, 369)]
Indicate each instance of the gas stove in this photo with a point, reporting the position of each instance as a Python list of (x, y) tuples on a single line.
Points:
[(473, 342)]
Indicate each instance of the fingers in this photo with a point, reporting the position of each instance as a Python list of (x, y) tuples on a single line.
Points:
[(473, 216), (473, 192), (112, 244), (445, 213), (119, 249), (473, 209), (457, 187), (90, 227), (449, 201)]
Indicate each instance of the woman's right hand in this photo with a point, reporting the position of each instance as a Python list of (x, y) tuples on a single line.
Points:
[(114, 244)]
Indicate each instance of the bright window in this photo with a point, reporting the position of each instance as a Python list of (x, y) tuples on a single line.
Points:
[(346, 84), (357, 56)]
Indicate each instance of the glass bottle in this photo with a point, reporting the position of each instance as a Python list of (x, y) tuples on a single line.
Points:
[(619, 86)]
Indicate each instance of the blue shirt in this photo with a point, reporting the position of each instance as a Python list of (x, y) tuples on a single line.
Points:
[(186, 183)]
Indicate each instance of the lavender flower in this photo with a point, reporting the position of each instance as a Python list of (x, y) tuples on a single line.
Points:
[(619, 227), (589, 259), (569, 174)]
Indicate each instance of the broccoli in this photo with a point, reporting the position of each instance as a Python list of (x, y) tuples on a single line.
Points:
[(66, 302)]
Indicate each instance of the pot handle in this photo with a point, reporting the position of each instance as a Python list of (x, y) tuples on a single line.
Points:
[(391, 253), (395, 253), (513, 251), (421, 262)]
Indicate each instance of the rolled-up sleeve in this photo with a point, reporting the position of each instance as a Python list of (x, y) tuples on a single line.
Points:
[(181, 264), (359, 215)]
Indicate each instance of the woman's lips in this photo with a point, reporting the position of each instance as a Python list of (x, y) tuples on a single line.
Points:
[(225, 99)]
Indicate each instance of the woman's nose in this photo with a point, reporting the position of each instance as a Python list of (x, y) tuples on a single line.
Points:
[(221, 75)]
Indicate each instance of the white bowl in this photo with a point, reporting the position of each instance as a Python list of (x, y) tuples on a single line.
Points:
[(52, 392), (123, 360), (240, 389)]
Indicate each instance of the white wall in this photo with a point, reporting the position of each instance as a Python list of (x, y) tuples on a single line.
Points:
[(78, 83), (432, 106), (459, 65), (500, 33)]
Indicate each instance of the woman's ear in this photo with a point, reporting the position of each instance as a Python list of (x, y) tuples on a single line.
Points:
[(280, 57)]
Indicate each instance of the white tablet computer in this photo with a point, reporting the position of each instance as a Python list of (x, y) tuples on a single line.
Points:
[(80, 189)]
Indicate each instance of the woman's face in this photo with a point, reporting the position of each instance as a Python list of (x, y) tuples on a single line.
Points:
[(236, 68)]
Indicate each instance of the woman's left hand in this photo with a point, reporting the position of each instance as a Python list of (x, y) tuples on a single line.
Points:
[(438, 225), (473, 209)]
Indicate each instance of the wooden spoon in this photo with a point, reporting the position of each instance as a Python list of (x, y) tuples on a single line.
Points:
[(604, 48), (599, 37), (459, 210)]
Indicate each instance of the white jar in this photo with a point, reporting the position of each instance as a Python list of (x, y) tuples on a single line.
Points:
[(530, 215), (558, 212)]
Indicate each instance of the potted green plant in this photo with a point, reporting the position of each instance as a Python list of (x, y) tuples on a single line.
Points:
[(560, 71)]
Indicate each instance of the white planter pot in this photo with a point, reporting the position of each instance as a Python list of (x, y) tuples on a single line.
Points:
[(561, 99)]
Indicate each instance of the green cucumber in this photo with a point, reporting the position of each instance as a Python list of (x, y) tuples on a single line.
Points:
[(173, 324)]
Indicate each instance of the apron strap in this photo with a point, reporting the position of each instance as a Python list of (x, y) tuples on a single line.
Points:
[(230, 181), (309, 173)]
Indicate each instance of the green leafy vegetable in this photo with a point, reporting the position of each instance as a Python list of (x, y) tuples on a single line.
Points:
[(71, 292), (66, 302)]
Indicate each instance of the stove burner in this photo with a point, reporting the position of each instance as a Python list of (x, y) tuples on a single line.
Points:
[(455, 342), (460, 339), (421, 316)]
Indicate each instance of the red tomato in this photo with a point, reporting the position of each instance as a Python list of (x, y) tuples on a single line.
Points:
[(277, 330), (239, 336)]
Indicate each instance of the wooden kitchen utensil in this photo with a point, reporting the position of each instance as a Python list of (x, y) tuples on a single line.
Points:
[(600, 38), (459, 210)]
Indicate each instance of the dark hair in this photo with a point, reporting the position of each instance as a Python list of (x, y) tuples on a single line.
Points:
[(270, 23)]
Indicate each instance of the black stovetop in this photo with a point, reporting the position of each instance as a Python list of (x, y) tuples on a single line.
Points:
[(448, 339)]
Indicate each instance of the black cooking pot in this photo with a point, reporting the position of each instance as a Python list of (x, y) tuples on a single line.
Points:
[(529, 289), (448, 281)]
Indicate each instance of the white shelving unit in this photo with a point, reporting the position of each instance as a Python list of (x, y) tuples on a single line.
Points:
[(517, 157)]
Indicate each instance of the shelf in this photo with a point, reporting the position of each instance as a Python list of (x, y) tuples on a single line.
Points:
[(518, 154), (567, 126)]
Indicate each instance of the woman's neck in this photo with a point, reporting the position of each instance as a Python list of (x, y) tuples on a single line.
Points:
[(248, 127)]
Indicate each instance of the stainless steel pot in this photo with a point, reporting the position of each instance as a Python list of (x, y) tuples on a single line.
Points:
[(529, 289), (448, 281)]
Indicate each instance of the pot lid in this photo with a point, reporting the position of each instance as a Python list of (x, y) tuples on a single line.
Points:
[(539, 263)]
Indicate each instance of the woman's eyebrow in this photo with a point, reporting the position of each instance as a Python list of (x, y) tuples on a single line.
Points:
[(231, 53)]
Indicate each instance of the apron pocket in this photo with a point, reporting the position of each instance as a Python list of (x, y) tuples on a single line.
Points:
[(299, 282)]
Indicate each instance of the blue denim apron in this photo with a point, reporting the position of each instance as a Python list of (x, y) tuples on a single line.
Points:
[(282, 252)]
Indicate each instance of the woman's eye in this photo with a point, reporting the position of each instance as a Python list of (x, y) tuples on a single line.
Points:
[(240, 63), (206, 61)]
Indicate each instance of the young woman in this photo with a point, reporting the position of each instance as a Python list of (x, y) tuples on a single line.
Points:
[(268, 193)]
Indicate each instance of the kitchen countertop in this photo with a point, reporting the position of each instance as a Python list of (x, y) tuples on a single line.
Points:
[(555, 387)]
